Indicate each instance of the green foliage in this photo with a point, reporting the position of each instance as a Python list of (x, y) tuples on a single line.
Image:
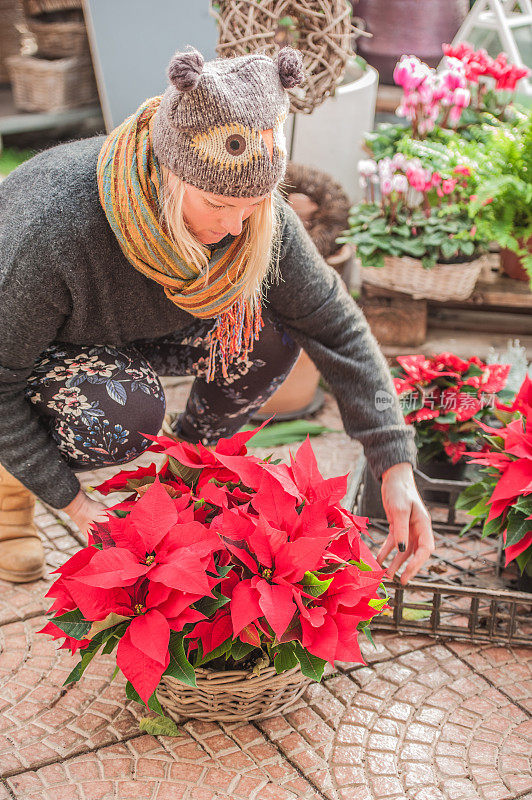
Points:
[(502, 210), (13, 157), (444, 235), (277, 434)]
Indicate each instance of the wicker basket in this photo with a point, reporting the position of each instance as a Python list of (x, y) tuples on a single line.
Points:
[(34, 7), (59, 39), (232, 695), (52, 85), (441, 282), (11, 20)]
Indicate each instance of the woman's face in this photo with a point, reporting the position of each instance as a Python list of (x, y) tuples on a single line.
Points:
[(210, 217)]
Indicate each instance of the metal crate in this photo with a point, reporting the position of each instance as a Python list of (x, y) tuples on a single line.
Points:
[(473, 596)]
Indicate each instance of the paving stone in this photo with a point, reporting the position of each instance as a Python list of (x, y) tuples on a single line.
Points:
[(40, 721), (151, 769), (508, 668), (428, 736)]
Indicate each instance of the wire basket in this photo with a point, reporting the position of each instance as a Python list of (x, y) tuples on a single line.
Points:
[(60, 38), (40, 84), (440, 282), (464, 592), (232, 695)]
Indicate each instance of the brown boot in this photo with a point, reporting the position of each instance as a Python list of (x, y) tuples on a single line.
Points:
[(21, 550)]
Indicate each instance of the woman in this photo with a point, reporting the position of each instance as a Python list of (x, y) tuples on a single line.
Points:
[(165, 250)]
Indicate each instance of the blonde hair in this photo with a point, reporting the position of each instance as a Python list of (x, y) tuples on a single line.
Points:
[(260, 232)]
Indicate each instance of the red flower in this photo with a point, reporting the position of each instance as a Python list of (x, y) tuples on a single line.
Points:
[(155, 536)]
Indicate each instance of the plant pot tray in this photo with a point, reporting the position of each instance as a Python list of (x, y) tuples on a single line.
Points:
[(464, 591)]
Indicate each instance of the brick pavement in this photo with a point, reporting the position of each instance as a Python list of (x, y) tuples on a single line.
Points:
[(423, 720)]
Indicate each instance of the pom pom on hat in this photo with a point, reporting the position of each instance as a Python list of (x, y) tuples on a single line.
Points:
[(185, 70), (290, 65)]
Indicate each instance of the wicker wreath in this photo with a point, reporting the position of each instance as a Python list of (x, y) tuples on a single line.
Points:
[(320, 29), (320, 202)]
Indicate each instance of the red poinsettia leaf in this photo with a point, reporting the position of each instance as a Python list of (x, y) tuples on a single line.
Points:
[(140, 670), (69, 643), (274, 503), (95, 603), (244, 606), (516, 480), (236, 445), (519, 547), (118, 482), (348, 648), (250, 635), (321, 641), (153, 515), (150, 633), (305, 467), (296, 558), (112, 568), (276, 604), (188, 574)]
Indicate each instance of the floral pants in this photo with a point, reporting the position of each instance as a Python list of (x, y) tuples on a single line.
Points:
[(97, 401)]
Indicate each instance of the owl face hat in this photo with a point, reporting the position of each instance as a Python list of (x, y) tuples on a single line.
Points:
[(219, 125)]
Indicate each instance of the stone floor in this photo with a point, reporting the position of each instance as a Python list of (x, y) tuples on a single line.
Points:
[(423, 720)]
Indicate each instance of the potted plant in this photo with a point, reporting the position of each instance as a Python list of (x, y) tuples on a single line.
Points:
[(502, 207), (444, 397), (458, 106), (412, 231), (501, 500), (224, 582)]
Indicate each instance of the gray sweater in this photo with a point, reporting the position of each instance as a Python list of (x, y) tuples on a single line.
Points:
[(63, 278)]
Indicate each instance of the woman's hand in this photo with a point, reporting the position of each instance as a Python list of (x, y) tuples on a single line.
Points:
[(410, 523), (83, 512)]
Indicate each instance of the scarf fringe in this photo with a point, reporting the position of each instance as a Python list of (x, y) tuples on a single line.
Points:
[(233, 335)]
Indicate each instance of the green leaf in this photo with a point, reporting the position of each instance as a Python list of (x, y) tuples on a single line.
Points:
[(516, 530), (239, 649), (179, 666), (120, 512), (311, 666), (221, 650), (209, 605), (313, 585), (73, 623), (524, 558), (492, 527), (285, 658), (189, 475), (364, 627), (277, 434), (159, 726), (153, 702)]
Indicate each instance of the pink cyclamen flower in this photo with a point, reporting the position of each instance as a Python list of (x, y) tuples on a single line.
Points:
[(367, 167), (400, 183), (386, 186), (409, 73), (461, 98), (448, 185)]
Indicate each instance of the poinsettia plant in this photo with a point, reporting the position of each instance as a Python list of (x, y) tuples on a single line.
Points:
[(219, 558), (502, 499), (443, 397)]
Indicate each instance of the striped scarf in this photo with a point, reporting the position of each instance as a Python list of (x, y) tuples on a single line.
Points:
[(129, 184)]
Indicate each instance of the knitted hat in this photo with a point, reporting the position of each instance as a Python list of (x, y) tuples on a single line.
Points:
[(219, 125)]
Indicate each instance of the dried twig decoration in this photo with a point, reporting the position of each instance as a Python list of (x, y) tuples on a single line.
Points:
[(321, 30)]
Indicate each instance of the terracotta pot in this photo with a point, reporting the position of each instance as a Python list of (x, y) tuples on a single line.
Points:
[(411, 27), (296, 394), (512, 264)]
